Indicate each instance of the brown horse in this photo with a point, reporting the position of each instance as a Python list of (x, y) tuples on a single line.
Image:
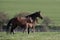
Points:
[(23, 22), (26, 22), (34, 18)]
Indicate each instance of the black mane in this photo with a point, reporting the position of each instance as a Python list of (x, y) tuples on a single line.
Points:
[(33, 15)]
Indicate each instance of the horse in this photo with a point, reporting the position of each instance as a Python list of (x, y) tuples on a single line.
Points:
[(34, 16), (26, 22), (19, 21)]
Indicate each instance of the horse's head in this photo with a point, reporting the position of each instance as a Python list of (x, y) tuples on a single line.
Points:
[(38, 14)]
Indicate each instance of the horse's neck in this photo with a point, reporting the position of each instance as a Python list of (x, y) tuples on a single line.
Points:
[(34, 18)]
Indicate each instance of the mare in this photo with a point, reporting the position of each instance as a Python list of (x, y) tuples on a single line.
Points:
[(19, 21), (26, 22)]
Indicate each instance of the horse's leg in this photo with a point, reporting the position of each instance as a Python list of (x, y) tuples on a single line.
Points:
[(33, 28), (28, 30), (12, 28), (24, 29), (8, 27), (27, 27)]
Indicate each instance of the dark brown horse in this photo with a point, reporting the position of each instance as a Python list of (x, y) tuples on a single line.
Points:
[(26, 22), (34, 18), (19, 21)]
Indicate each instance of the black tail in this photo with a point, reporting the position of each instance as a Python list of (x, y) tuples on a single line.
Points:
[(28, 30)]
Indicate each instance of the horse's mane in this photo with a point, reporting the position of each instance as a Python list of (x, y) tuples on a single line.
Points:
[(30, 15)]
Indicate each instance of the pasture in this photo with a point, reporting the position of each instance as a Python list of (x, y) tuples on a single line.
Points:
[(49, 8), (31, 36)]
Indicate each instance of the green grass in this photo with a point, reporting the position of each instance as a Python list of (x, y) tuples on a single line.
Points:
[(50, 8), (31, 36)]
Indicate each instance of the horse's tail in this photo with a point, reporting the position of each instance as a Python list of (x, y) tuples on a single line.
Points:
[(28, 30), (8, 25)]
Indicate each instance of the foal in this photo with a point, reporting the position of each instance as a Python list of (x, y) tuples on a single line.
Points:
[(27, 22)]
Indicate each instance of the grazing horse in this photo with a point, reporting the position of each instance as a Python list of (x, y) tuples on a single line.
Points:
[(34, 18)]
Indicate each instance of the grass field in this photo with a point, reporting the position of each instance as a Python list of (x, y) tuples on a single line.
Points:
[(31, 36), (50, 8)]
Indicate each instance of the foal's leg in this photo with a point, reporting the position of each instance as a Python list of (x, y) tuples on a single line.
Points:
[(24, 30), (23, 27), (28, 30), (33, 28), (27, 27)]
